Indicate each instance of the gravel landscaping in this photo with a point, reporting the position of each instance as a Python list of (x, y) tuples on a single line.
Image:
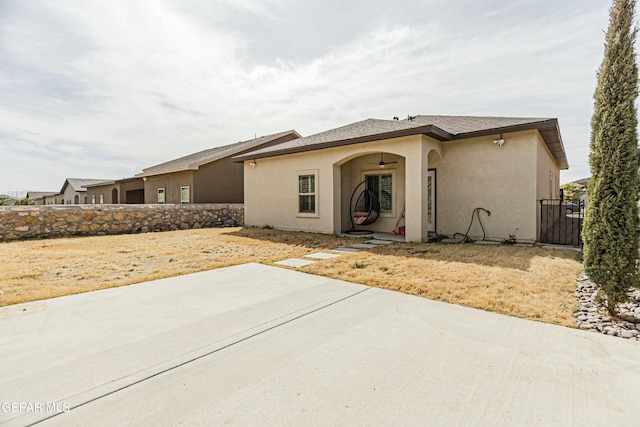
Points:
[(592, 317)]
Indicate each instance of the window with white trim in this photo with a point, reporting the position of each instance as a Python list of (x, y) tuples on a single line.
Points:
[(102, 199), (93, 199), (161, 195), (307, 193), (382, 186), (184, 195)]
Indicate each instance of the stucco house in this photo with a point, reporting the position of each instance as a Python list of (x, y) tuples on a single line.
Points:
[(207, 176), (4, 198), (120, 191), (40, 197), (54, 199), (74, 190), (435, 169)]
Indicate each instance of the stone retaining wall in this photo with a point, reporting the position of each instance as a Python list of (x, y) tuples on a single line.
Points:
[(32, 222)]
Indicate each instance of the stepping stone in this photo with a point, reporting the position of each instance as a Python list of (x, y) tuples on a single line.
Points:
[(362, 246), (322, 255), (380, 242), (347, 250), (294, 262), (487, 242), (450, 240)]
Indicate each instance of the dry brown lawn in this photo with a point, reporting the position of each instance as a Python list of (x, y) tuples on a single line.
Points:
[(532, 283)]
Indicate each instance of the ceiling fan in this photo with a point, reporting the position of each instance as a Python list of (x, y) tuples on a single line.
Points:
[(382, 163)]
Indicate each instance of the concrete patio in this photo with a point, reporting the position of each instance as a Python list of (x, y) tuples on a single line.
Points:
[(261, 345)]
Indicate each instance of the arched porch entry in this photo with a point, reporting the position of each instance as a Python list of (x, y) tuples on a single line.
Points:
[(382, 173), (114, 196), (409, 174)]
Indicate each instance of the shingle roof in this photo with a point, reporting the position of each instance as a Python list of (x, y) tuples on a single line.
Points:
[(78, 184), (460, 125), (195, 160), (100, 184), (112, 182), (351, 131), (33, 195), (584, 181), (442, 128)]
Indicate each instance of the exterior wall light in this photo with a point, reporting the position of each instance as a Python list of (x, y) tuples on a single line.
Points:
[(252, 163), (499, 142)]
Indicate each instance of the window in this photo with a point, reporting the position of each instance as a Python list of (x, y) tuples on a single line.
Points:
[(382, 186), (184, 195), (102, 199), (93, 199), (307, 194), (160, 195)]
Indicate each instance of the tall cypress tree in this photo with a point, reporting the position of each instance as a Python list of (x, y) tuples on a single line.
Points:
[(611, 222)]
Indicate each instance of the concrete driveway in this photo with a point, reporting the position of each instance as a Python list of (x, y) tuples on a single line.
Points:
[(260, 345)]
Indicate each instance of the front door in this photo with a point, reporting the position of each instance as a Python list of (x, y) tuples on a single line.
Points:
[(431, 200)]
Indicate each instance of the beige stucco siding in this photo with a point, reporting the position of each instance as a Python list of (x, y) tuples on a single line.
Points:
[(271, 192), (106, 191), (477, 173), (548, 177), (548, 181), (70, 196), (53, 200), (470, 173)]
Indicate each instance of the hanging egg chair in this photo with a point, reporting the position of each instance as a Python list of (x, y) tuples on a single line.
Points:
[(364, 208)]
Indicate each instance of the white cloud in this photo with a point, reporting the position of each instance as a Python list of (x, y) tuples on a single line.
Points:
[(263, 8), (137, 83)]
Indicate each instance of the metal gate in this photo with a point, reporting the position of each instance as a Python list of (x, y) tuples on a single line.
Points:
[(561, 222)]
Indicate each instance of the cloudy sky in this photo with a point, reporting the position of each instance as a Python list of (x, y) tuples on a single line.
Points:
[(104, 88)]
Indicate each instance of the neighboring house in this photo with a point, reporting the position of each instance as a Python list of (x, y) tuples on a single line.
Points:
[(54, 199), (437, 169), (7, 199), (120, 191), (208, 176), (39, 197), (584, 182), (74, 191)]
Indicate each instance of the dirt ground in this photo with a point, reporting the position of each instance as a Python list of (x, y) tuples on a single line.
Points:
[(532, 283)]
